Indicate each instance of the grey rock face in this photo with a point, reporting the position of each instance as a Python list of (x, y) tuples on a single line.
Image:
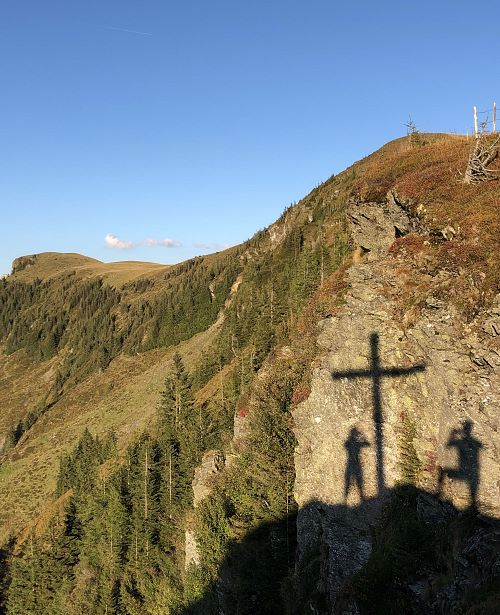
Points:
[(212, 463), (390, 402), (191, 553), (374, 227)]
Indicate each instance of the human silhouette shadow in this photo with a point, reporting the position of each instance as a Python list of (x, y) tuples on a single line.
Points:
[(468, 469), (417, 540), (353, 476)]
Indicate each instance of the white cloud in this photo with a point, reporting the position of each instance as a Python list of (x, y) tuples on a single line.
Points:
[(112, 241), (166, 243), (212, 246)]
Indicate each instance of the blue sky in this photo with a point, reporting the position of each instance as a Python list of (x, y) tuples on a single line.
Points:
[(198, 122)]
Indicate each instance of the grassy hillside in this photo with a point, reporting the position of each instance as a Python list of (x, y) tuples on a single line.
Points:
[(98, 373), (88, 344), (123, 398), (53, 264)]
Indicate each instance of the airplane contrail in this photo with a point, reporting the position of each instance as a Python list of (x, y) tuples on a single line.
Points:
[(127, 30)]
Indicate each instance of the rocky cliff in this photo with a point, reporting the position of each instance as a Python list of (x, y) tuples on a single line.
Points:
[(401, 396)]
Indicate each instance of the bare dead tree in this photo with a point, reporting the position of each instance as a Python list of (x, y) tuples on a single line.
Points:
[(483, 152), (414, 135)]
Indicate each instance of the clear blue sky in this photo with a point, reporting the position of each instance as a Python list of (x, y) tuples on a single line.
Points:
[(200, 121)]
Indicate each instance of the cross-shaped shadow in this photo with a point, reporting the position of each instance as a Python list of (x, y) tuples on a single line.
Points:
[(376, 373)]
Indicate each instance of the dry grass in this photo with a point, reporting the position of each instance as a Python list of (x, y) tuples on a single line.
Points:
[(428, 179), (23, 386), (213, 387), (52, 264), (124, 398), (38, 525)]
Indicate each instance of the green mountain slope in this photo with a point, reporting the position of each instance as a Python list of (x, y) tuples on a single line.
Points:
[(77, 332), (163, 364)]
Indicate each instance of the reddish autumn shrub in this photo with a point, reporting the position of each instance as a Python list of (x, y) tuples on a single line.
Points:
[(409, 244), (243, 412), (301, 395)]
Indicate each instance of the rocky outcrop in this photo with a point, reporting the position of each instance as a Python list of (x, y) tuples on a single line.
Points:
[(212, 463), (22, 262), (392, 402), (374, 227)]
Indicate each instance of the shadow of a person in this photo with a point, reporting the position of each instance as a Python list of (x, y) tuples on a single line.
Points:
[(353, 469), (468, 449)]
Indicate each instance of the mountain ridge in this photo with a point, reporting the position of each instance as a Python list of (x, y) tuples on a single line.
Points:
[(46, 265), (245, 323)]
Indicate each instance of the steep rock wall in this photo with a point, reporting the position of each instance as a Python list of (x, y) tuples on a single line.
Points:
[(392, 401)]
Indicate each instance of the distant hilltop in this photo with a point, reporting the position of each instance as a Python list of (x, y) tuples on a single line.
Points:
[(50, 264)]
